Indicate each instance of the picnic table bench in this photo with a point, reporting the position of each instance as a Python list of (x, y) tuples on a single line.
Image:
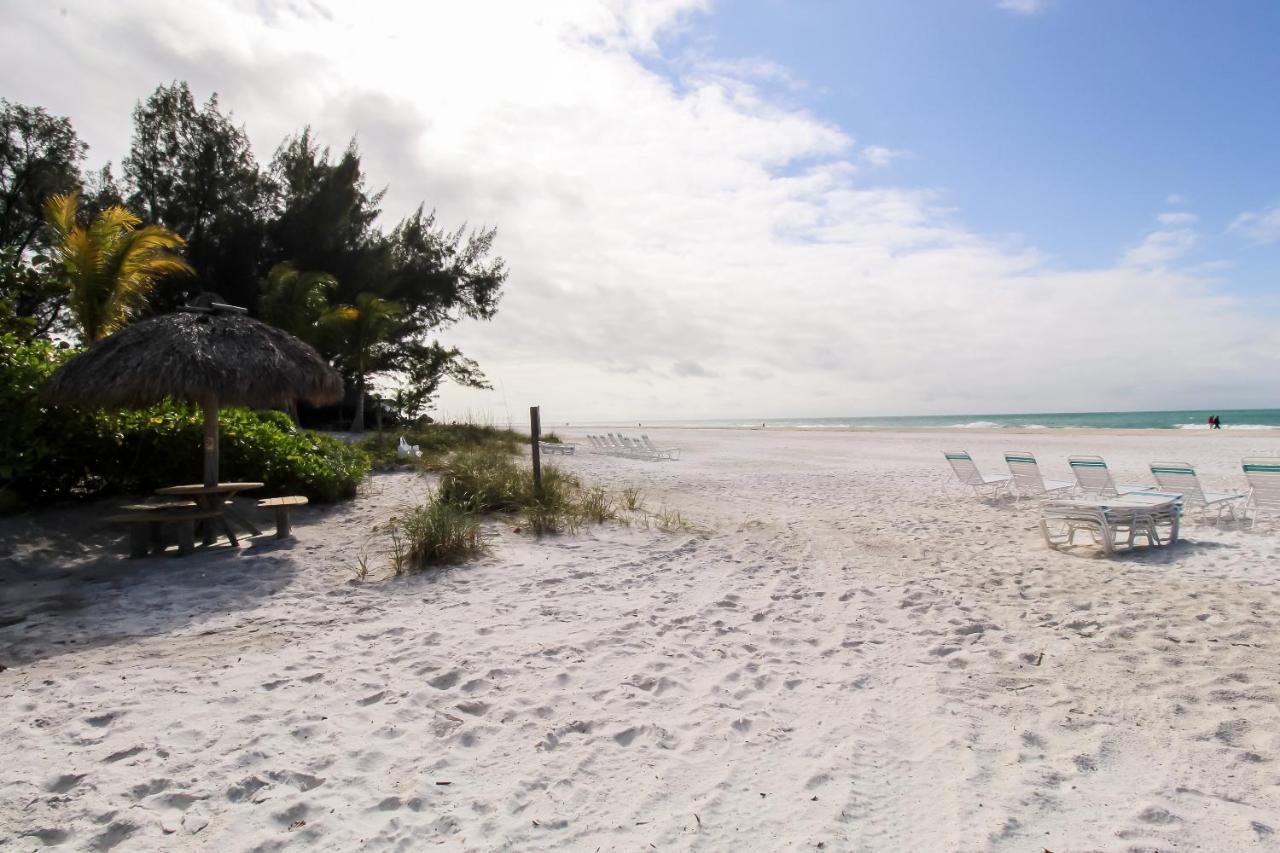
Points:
[(282, 506), (216, 499), (147, 522)]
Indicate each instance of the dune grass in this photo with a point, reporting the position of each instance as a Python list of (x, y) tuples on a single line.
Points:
[(436, 533), (488, 477)]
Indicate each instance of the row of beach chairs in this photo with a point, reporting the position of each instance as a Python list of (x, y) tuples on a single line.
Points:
[(1093, 479), (635, 448)]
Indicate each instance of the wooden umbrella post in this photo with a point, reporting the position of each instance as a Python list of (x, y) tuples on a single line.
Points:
[(535, 429), (210, 406)]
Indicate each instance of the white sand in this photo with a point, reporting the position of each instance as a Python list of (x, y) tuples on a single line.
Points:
[(848, 659)]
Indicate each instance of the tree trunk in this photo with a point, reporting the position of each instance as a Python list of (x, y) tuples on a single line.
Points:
[(210, 406), (357, 423)]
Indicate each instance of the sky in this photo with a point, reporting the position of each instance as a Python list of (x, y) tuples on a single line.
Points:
[(758, 208)]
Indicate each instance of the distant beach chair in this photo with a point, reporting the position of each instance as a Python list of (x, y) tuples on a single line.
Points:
[(1181, 478), (637, 448), (1094, 478), (1263, 474), (661, 452), (562, 448), (969, 475), (1027, 479), (1112, 525)]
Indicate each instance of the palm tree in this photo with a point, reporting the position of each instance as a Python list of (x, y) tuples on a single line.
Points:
[(109, 266), (295, 300), (360, 334)]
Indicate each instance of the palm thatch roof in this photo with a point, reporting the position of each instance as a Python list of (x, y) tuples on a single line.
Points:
[(195, 354)]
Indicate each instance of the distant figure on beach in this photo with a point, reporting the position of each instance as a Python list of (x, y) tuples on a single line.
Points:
[(1217, 422)]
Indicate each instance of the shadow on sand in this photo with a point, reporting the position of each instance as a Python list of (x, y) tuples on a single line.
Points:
[(66, 586)]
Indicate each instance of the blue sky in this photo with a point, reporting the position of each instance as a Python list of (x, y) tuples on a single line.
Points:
[(750, 208), (1070, 125)]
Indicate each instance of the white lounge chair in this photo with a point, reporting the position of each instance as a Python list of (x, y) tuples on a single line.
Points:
[(1093, 477), (562, 448), (1263, 474), (1108, 524), (1181, 478), (660, 452), (637, 449), (1027, 480), (969, 475)]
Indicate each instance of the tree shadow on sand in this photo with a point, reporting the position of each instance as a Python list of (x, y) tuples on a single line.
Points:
[(66, 586)]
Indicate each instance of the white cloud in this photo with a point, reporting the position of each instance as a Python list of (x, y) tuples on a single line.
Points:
[(1170, 241), (1175, 199), (879, 156), (1260, 227), (679, 247), (1023, 7)]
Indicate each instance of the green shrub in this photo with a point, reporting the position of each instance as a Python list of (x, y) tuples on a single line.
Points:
[(437, 440), (60, 453), (24, 367)]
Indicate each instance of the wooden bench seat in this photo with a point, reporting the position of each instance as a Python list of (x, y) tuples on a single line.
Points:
[(282, 507), (146, 525)]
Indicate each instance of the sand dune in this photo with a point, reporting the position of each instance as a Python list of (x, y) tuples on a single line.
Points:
[(844, 658)]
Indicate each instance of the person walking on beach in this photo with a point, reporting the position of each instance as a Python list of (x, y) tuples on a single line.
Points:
[(1217, 422)]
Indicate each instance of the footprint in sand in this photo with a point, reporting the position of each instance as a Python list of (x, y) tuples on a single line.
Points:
[(122, 755), (445, 681), (1158, 816), (64, 783)]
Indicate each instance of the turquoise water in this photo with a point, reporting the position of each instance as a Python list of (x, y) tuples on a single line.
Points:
[(1231, 419)]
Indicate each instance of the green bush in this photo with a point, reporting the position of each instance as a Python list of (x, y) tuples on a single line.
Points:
[(24, 367), (60, 453), (437, 440)]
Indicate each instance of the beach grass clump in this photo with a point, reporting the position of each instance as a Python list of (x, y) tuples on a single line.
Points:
[(632, 499), (436, 533), (596, 506), (670, 520), (485, 479), (489, 478)]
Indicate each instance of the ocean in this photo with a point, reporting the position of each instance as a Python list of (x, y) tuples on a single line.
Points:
[(1236, 419)]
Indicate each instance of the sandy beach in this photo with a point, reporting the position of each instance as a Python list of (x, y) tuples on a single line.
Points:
[(842, 656)]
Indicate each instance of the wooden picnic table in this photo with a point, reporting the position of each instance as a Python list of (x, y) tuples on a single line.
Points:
[(216, 499)]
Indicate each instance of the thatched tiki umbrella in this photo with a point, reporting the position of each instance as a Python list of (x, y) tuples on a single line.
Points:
[(215, 356)]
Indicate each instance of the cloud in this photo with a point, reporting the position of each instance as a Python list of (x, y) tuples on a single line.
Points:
[(878, 156), (660, 225), (1175, 199), (1023, 7), (1171, 240), (1259, 227), (690, 368)]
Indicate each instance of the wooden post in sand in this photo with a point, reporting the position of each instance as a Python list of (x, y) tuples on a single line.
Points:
[(535, 430)]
